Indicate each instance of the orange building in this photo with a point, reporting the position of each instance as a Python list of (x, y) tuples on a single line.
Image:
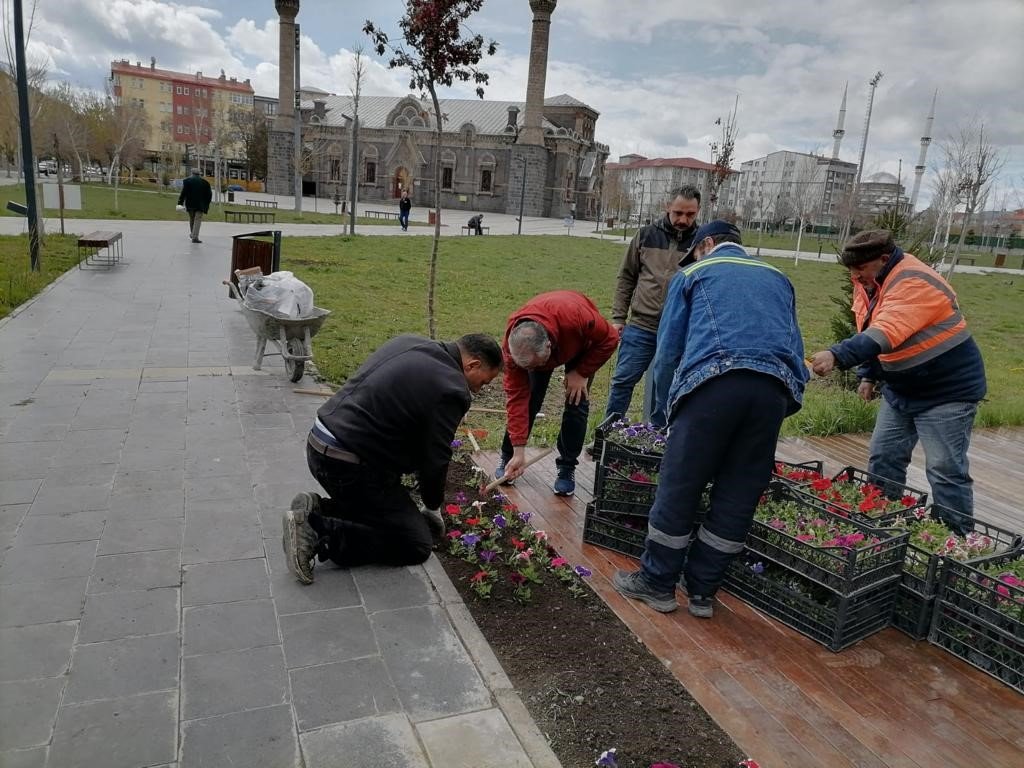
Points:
[(189, 115)]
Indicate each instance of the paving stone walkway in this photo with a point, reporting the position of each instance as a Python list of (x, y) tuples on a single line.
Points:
[(146, 614)]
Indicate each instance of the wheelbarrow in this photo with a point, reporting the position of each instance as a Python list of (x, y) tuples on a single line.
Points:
[(291, 335)]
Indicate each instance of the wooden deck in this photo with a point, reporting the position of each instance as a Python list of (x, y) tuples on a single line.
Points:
[(787, 701)]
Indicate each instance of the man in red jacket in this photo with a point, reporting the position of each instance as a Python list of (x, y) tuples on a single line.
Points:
[(552, 329)]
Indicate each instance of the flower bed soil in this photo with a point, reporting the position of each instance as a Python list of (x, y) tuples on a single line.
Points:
[(589, 684)]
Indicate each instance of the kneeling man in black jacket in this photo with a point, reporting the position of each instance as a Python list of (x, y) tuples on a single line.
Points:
[(396, 415)]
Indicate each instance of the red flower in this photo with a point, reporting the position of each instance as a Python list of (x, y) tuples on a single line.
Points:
[(908, 501), (478, 576), (472, 521), (868, 504), (454, 534), (517, 543), (517, 578), (822, 484), (452, 509)]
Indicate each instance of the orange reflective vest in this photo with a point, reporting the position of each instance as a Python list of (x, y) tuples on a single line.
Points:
[(914, 315)]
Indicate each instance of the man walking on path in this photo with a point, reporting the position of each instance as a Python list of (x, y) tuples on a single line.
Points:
[(730, 356), (404, 208), (552, 329), (196, 195), (914, 344), (396, 415), (651, 261)]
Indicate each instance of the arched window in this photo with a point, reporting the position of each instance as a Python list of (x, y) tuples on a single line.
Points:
[(370, 165), (447, 170), (485, 174)]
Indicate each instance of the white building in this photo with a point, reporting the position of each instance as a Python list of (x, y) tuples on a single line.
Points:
[(647, 182), (880, 193), (788, 186)]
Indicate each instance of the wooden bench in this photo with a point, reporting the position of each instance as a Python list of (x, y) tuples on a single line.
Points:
[(91, 245), (381, 214), (967, 258), (250, 217), (466, 229), (261, 203)]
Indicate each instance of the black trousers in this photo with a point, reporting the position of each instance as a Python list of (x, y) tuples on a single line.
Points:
[(369, 516), (573, 430), (724, 432)]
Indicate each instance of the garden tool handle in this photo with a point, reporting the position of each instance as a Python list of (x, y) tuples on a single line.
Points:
[(496, 482)]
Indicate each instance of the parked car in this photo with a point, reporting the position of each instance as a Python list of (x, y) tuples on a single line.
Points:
[(236, 188), (176, 183)]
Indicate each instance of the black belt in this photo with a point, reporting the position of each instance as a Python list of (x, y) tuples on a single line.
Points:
[(330, 451)]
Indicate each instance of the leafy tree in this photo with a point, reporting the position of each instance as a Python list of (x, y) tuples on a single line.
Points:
[(435, 53)]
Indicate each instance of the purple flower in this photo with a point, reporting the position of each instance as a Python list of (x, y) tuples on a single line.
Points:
[(460, 498), (607, 759), (499, 498), (500, 521), (525, 516), (757, 567), (487, 555), (583, 572), (470, 539), (456, 444)]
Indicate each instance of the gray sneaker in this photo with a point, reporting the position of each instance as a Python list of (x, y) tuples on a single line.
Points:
[(298, 537), (635, 585), (701, 607)]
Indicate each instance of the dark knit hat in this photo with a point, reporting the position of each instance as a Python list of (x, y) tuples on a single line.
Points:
[(711, 229), (866, 246)]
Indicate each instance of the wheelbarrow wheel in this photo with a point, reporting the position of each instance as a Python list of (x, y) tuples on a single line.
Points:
[(295, 368)]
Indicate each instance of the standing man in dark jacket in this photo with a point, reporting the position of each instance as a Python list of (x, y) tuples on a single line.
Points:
[(731, 359), (552, 329), (196, 195), (396, 415), (404, 208), (914, 344), (651, 261)]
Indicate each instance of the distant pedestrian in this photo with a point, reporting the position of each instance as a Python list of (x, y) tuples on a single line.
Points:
[(913, 344), (196, 195), (730, 357), (475, 224), (404, 208), (396, 415)]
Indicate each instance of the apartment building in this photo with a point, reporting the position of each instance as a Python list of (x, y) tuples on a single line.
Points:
[(190, 115), (646, 182)]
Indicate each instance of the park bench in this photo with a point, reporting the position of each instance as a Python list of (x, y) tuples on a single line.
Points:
[(466, 229), (92, 245), (261, 203), (381, 214), (250, 217), (964, 259)]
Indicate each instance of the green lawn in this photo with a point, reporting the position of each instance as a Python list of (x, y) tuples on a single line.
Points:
[(376, 287), (18, 283), (133, 203)]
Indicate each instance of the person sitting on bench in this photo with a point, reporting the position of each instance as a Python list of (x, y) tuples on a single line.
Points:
[(475, 224)]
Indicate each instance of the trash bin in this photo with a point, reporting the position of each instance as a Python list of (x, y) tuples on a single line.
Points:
[(231, 196), (256, 249), (431, 217), (1000, 260)]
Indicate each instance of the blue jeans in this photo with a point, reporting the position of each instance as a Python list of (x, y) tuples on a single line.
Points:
[(636, 351), (945, 434), (574, 421), (724, 432), (403, 219)]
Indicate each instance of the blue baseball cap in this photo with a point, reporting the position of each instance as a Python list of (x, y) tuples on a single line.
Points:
[(712, 228)]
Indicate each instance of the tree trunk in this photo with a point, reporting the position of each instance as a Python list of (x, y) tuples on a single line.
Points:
[(432, 280), (968, 214), (799, 238)]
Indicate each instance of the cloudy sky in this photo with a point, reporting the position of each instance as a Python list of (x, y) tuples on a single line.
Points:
[(659, 72)]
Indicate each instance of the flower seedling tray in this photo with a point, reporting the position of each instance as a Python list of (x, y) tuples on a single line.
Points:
[(625, 487), (798, 473), (979, 643), (825, 615), (614, 531), (913, 612), (969, 589), (845, 569), (910, 498)]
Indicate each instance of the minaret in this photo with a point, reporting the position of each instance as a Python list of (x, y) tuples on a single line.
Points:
[(839, 132), (287, 10), (532, 133), (926, 139)]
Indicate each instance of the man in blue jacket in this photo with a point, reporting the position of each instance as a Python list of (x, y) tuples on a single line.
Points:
[(729, 368)]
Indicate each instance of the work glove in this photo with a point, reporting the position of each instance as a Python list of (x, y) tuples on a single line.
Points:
[(435, 520)]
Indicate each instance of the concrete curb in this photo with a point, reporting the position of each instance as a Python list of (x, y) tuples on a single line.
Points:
[(29, 302), (494, 677)]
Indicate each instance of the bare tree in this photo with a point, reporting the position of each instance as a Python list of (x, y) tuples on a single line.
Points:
[(722, 152), (358, 73), (437, 55), (974, 165), (807, 193), (70, 122), (614, 196), (120, 132), (36, 72)]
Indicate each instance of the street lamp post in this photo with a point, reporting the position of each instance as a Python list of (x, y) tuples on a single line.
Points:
[(26, 136), (522, 198)]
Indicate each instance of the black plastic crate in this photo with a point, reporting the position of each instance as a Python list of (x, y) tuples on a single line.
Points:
[(912, 614), (980, 644), (998, 606), (831, 618), (614, 531), (607, 448), (601, 433), (844, 570), (783, 468), (890, 490), (618, 487), (921, 567)]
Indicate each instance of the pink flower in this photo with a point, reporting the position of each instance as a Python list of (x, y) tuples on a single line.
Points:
[(558, 562), (540, 535), (805, 537)]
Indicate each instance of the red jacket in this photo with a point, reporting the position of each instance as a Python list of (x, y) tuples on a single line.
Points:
[(579, 335)]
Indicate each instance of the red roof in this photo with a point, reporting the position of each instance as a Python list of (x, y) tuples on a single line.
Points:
[(144, 70), (664, 162)]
